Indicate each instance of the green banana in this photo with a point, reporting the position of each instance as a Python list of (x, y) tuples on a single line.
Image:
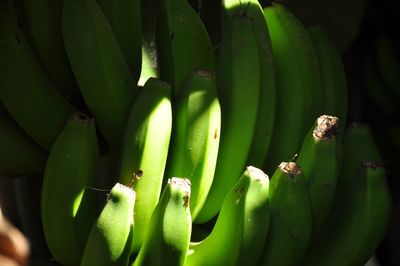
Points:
[(266, 106), (333, 75), (110, 238), (195, 136), (317, 158), (290, 226), (41, 22), (181, 34), (168, 235), (25, 91), (19, 154), (238, 69), (68, 206), (99, 67), (241, 228), (125, 20), (144, 151), (298, 99), (362, 222)]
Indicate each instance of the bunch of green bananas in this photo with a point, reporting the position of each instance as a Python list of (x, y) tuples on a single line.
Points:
[(152, 147)]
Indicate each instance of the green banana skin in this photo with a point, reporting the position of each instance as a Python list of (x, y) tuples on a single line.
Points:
[(168, 236), (38, 108), (180, 34), (68, 204), (298, 98), (41, 24), (266, 106), (241, 228), (362, 222), (195, 136), (333, 76), (317, 158), (125, 20), (99, 67), (110, 238), (19, 154), (144, 151), (238, 68), (290, 225)]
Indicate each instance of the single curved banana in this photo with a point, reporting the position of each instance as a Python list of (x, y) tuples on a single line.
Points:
[(168, 235), (19, 154), (109, 241), (144, 151), (41, 24), (68, 204), (241, 228), (195, 136), (99, 67), (266, 106), (333, 75), (125, 20), (362, 222), (290, 226), (183, 44), (317, 158), (25, 91), (238, 81), (298, 99)]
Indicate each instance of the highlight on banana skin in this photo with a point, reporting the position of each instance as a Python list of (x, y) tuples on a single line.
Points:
[(196, 133)]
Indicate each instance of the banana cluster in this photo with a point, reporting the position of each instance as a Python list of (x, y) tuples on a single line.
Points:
[(153, 147)]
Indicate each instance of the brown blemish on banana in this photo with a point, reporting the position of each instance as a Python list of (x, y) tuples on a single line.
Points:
[(216, 133), (290, 168), (327, 128)]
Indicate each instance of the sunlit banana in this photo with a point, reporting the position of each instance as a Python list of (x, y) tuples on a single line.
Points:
[(317, 158), (68, 204), (181, 34), (333, 76), (125, 20), (168, 235), (25, 91), (99, 67), (290, 226), (362, 222), (240, 231), (144, 151), (195, 136), (238, 80), (109, 241), (298, 99), (266, 106), (19, 154), (41, 22)]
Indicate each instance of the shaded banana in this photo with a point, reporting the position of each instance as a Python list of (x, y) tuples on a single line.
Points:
[(25, 91), (125, 20), (362, 222), (109, 241), (41, 22), (266, 106), (19, 154), (144, 151), (195, 136), (290, 225), (317, 158), (238, 69), (99, 67), (180, 34), (168, 235), (241, 228), (333, 75), (298, 99), (68, 206)]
